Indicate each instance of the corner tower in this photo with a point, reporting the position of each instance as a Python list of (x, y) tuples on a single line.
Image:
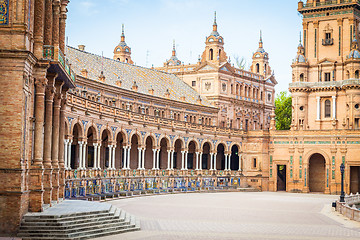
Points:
[(122, 51), (214, 49), (260, 64), (173, 61), (325, 84)]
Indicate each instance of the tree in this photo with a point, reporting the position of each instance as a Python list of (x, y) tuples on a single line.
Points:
[(283, 107), (240, 62)]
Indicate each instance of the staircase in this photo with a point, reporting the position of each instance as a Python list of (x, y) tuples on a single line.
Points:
[(107, 220)]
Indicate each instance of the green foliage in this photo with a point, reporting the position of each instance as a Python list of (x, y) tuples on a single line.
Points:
[(240, 62), (283, 107)]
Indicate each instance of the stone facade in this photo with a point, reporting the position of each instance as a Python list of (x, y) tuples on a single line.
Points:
[(205, 125)]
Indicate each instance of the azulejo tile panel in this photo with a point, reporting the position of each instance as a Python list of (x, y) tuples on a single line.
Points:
[(4, 12)]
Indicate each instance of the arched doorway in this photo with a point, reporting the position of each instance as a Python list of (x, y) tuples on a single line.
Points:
[(163, 156), (119, 151), (191, 163), (149, 161), (91, 139), (104, 149), (317, 173), (205, 163), (234, 158), (134, 152), (178, 154), (75, 147), (220, 157)]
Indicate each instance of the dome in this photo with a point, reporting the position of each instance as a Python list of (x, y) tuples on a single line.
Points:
[(300, 59), (354, 54)]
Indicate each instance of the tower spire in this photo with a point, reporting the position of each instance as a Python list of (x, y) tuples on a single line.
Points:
[(261, 41), (122, 34), (215, 24), (174, 50), (300, 38)]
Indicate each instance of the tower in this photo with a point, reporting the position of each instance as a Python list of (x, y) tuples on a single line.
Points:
[(214, 49), (122, 51), (325, 87), (173, 61), (260, 64)]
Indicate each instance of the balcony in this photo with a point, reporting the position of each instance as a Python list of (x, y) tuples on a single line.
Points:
[(328, 3), (328, 42), (337, 84), (59, 65)]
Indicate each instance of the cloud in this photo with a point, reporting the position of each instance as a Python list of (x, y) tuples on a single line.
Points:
[(87, 7)]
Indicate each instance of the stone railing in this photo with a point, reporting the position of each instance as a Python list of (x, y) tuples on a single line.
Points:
[(337, 84), (328, 3), (125, 115), (349, 209)]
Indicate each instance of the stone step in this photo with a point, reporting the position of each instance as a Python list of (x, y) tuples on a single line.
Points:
[(48, 219), (75, 214)]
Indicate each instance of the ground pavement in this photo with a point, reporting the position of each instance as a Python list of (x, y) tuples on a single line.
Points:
[(250, 216)]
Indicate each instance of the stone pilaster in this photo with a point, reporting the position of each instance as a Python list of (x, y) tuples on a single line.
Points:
[(49, 96), (39, 16), (62, 24), (48, 22), (61, 145), (55, 141), (37, 170)]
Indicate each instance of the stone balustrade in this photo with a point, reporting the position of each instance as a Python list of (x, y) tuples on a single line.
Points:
[(349, 209)]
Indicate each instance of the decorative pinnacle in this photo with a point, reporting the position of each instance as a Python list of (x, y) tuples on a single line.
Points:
[(215, 24), (261, 41), (300, 37), (174, 51), (122, 34), (215, 18), (260, 36)]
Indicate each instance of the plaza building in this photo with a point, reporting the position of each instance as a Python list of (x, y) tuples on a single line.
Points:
[(105, 125)]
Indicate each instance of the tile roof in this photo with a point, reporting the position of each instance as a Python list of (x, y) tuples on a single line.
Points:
[(145, 78)]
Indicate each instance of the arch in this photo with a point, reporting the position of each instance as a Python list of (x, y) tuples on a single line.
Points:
[(181, 140), (149, 146), (257, 68), (109, 132), (140, 140), (135, 142), (211, 54), (219, 53), (90, 150), (317, 175), (106, 139), (210, 143), (66, 127), (347, 74), (79, 123), (234, 157), (192, 149), (77, 136), (153, 139), (357, 74), (178, 147), (301, 77), (95, 132), (164, 145), (120, 138), (123, 134), (220, 156), (236, 144), (223, 143), (168, 141), (206, 157)]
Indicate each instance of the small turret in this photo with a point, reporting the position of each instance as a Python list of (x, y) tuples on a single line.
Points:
[(260, 64), (122, 51)]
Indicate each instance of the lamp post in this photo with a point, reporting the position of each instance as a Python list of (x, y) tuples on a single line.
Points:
[(342, 169)]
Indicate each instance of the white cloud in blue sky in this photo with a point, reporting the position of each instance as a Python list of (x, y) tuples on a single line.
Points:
[(151, 26)]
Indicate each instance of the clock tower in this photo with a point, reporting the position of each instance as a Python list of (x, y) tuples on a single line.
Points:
[(122, 51)]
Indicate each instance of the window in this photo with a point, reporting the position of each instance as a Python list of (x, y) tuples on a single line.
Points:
[(254, 163), (211, 54), (269, 97), (327, 109), (257, 68), (327, 36), (327, 77), (301, 77), (357, 123), (193, 83), (357, 74)]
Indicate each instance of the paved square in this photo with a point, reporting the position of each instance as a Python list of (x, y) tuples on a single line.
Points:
[(262, 215)]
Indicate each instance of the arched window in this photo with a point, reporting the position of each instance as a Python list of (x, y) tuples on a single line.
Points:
[(257, 68), (127, 60), (357, 74), (211, 54), (327, 109), (301, 77), (265, 69), (347, 74), (219, 53)]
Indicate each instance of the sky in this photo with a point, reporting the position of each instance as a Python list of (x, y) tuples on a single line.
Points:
[(152, 25)]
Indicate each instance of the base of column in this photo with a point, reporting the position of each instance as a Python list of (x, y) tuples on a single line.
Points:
[(48, 185), (36, 188), (55, 185)]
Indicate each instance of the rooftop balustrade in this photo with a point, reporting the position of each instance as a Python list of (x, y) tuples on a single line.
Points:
[(338, 84)]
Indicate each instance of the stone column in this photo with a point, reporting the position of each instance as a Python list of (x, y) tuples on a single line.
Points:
[(139, 158), (172, 160), (334, 107), (226, 162), (55, 23), (143, 159), (211, 161), (318, 110), (158, 159), (128, 158), (95, 155), (240, 159), (125, 157), (182, 160), (61, 145), (48, 22), (113, 157), (110, 157), (69, 155), (98, 156), (154, 159), (36, 172), (84, 156), (49, 96), (215, 155), (39, 17), (197, 161), (66, 142), (55, 141), (186, 160), (168, 159), (62, 24), (80, 154), (200, 160)]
